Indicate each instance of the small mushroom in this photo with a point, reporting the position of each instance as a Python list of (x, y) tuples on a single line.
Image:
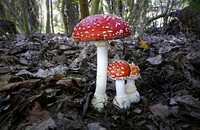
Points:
[(119, 71), (131, 90), (99, 29)]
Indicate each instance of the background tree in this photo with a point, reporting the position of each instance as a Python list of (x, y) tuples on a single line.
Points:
[(32, 16), (84, 8), (24, 16), (52, 24), (48, 27), (95, 7)]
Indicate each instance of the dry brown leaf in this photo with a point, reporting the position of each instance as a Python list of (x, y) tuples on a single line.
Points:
[(4, 79), (160, 110), (65, 82), (36, 113)]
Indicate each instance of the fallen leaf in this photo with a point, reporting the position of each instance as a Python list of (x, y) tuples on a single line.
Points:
[(189, 100), (61, 69), (4, 79), (155, 60), (137, 110), (95, 126), (144, 45), (35, 114), (4, 70), (67, 83), (24, 72), (69, 121), (160, 110), (43, 125)]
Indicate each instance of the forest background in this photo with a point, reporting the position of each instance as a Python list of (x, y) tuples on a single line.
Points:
[(60, 16)]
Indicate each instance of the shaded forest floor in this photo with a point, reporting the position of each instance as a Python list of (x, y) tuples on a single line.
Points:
[(47, 82)]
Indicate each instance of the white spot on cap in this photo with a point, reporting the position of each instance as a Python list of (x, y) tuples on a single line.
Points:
[(117, 24)]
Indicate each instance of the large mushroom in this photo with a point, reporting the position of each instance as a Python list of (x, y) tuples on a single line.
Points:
[(99, 29), (130, 88), (120, 71)]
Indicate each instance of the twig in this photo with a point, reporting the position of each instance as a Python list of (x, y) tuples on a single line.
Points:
[(21, 84)]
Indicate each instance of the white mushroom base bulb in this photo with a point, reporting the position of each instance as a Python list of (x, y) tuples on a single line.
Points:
[(131, 91), (99, 101), (121, 100)]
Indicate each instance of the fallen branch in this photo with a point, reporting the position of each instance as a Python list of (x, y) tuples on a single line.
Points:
[(21, 84), (157, 17)]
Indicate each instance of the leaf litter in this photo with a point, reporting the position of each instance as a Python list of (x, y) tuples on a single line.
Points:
[(47, 82)]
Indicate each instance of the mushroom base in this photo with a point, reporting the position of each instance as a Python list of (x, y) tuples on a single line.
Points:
[(122, 102), (99, 101), (132, 93), (134, 97)]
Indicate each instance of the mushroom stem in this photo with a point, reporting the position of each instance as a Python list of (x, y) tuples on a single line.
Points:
[(120, 90), (130, 82), (121, 100), (100, 96), (102, 65), (131, 91)]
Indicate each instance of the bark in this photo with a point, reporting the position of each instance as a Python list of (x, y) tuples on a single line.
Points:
[(48, 29), (95, 7), (138, 16), (33, 13), (72, 15), (25, 16), (64, 2), (52, 25), (84, 8)]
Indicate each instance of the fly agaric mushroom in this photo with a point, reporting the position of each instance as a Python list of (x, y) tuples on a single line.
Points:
[(99, 29), (130, 88), (119, 71)]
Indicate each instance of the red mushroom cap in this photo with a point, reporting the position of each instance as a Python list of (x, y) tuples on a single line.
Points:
[(101, 27), (119, 70), (135, 71)]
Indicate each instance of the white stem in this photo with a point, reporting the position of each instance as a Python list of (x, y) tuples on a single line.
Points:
[(130, 81), (100, 97), (130, 86), (120, 87), (102, 65), (131, 91)]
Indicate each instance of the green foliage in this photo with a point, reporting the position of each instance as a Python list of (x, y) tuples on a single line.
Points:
[(75, 2), (195, 6)]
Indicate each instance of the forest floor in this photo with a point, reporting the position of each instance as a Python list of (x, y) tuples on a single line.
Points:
[(47, 82)]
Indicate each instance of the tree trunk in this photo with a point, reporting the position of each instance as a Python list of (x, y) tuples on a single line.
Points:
[(71, 15), (95, 7), (105, 6), (138, 16), (52, 26), (64, 17), (24, 16), (84, 8), (48, 29)]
